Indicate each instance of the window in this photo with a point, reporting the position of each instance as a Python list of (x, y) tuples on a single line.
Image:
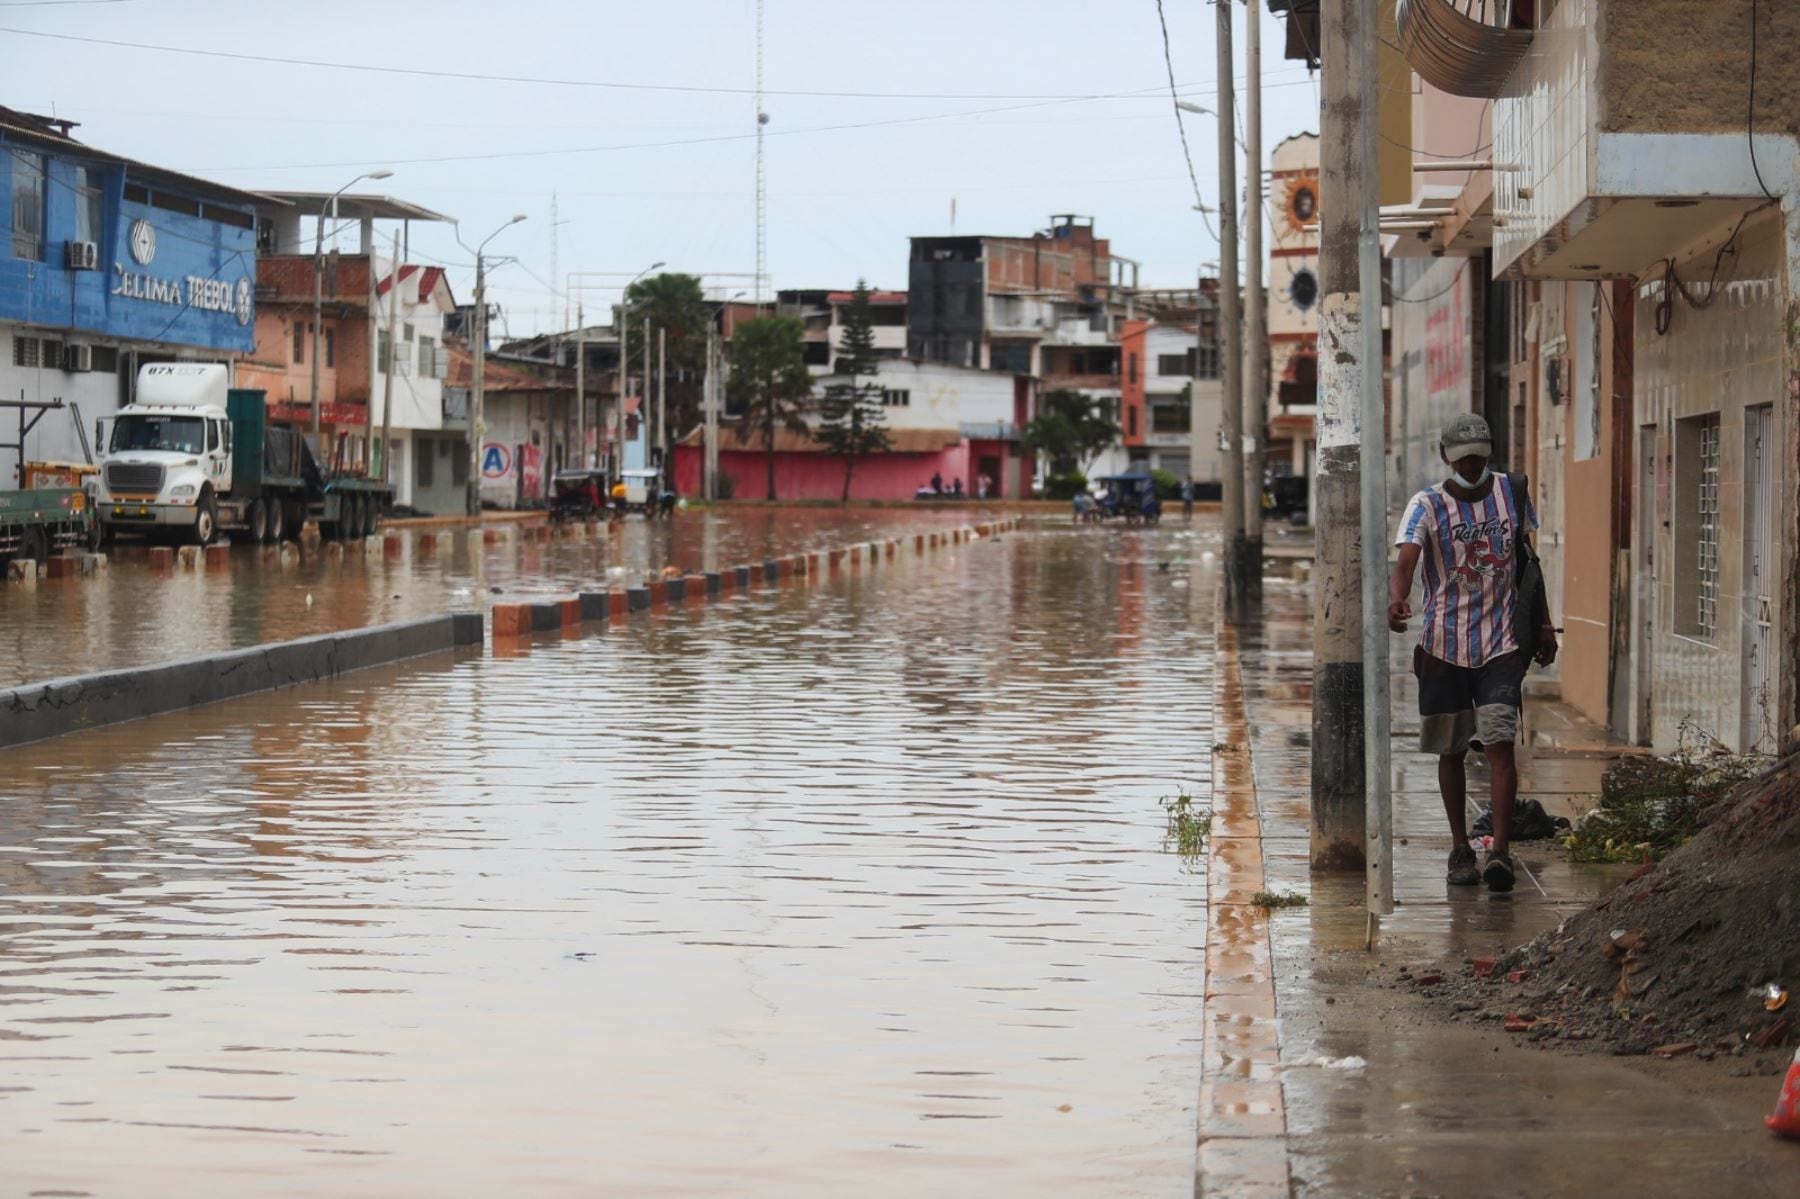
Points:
[(1173, 364), (299, 341), (50, 354), (426, 465), (1169, 418), (28, 205), (234, 217), (1131, 368), (1697, 526), (972, 300), (459, 463), (1010, 357), (106, 358), (89, 205), (169, 203), (1206, 361), (896, 397), (1131, 420), (428, 361), (26, 351), (406, 332), (331, 345), (137, 193)]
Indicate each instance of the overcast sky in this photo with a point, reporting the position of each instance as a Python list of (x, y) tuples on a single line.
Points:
[(974, 108)]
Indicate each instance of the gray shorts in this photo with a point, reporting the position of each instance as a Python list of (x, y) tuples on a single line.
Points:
[(1460, 704)]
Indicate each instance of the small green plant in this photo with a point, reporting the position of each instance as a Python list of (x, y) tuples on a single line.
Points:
[(1650, 806), (1270, 900), (1185, 827)]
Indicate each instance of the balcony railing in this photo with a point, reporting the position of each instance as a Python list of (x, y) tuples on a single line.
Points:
[(1464, 47)]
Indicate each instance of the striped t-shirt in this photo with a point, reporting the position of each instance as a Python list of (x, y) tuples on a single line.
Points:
[(1471, 578)]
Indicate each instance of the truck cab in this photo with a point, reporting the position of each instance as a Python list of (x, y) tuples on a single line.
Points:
[(166, 462)]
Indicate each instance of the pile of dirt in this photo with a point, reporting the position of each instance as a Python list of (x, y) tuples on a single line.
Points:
[(1682, 958)]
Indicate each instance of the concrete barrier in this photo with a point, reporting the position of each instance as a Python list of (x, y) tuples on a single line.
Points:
[(743, 577), (594, 605), (715, 583), (637, 598), (618, 604), (60, 566), (23, 571), (571, 614), (546, 617), (695, 587), (511, 620), (50, 709), (427, 544), (674, 590)]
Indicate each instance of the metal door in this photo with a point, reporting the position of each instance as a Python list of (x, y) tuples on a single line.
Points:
[(1644, 591), (1758, 732)]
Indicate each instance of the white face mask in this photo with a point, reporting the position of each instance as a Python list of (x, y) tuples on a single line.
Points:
[(1473, 484)]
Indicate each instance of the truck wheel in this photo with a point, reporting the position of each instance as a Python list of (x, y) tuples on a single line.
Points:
[(206, 518), (296, 518), (276, 523), (357, 518), (256, 517)]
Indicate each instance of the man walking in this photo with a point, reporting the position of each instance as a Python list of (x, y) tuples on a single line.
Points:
[(1468, 531), (1187, 497)]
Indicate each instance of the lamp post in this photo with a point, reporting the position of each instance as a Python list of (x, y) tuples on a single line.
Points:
[(624, 374), (319, 286), (477, 362)]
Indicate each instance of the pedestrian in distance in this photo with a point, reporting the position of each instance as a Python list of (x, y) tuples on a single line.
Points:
[(1484, 619), (1187, 497), (937, 484)]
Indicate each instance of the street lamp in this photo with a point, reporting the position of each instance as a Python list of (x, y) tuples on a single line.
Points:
[(319, 286), (478, 362), (1199, 110)]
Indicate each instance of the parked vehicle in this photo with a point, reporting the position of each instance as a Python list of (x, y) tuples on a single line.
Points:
[(193, 456), (37, 521), (578, 494)]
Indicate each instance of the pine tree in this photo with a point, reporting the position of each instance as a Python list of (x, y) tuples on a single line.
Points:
[(852, 421)]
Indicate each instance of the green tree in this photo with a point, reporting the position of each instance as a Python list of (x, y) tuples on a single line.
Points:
[(769, 375), (1069, 430), (852, 421), (674, 303)]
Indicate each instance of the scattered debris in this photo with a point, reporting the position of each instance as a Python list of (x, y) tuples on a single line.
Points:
[(1328, 1063), (1674, 1049), (1270, 900), (1700, 946), (1185, 827)]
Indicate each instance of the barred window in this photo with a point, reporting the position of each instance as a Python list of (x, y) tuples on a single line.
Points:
[(1697, 518)]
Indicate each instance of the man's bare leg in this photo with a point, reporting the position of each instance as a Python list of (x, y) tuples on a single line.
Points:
[(1453, 782), (1504, 770)]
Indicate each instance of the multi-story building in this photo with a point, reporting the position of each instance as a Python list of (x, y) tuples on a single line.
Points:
[(821, 314), (110, 264), (1293, 299), (993, 301), (1634, 336), (351, 343), (1171, 396)]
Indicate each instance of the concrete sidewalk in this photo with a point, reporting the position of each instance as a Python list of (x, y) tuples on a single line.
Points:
[(1438, 1108)]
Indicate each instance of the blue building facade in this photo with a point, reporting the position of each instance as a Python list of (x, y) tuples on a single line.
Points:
[(105, 247)]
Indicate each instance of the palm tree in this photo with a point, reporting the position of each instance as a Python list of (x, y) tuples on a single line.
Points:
[(768, 373)]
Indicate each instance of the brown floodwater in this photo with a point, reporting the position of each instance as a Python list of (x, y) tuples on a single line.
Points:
[(856, 887), (132, 615)]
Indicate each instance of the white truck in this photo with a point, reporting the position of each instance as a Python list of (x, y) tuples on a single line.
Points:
[(193, 456)]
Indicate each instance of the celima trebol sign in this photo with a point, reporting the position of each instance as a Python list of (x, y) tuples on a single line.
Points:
[(192, 291)]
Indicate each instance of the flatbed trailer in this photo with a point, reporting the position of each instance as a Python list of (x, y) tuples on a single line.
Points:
[(38, 522)]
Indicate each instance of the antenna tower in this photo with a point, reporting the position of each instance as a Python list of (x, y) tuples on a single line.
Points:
[(762, 119)]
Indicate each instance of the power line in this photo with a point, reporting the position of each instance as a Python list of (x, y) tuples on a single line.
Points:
[(1181, 125), (690, 141), (480, 77)]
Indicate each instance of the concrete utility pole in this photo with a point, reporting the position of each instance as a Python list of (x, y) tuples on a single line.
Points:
[(715, 400), (387, 396), (624, 323), (662, 403), (1344, 173), (477, 357), (644, 404), (478, 364), (1231, 366), (581, 389), (1378, 821), (1256, 381)]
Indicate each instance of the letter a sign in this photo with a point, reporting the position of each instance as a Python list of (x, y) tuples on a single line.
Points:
[(496, 462)]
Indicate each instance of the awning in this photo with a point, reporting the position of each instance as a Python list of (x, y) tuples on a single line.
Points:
[(1457, 52)]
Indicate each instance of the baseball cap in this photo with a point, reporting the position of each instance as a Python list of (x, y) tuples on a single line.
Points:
[(1466, 434)]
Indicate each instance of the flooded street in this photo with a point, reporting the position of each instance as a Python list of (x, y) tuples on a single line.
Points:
[(132, 615), (857, 886)]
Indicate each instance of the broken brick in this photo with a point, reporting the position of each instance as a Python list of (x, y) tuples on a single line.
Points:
[(1484, 967), (1674, 1049)]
